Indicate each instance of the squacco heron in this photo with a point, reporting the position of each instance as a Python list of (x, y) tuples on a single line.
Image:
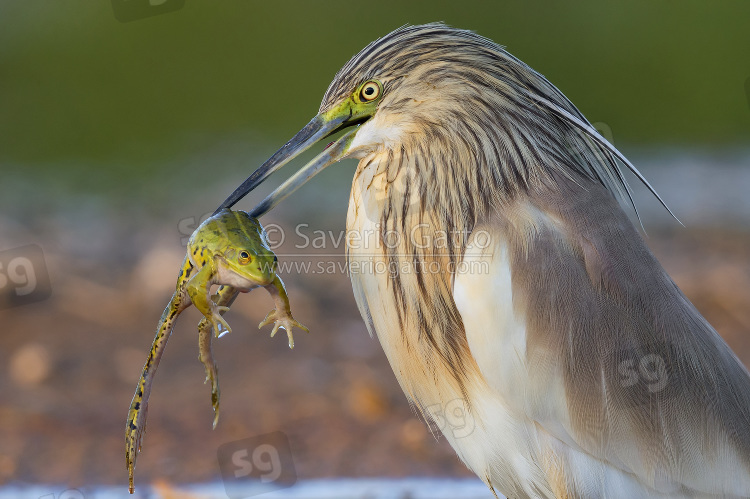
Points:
[(490, 254)]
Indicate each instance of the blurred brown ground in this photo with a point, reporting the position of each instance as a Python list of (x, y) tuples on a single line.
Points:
[(70, 364)]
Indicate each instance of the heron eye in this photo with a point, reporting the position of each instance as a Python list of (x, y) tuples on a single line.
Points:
[(244, 257), (370, 91)]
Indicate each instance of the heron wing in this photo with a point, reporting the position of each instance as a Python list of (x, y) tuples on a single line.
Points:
[(615, 361)]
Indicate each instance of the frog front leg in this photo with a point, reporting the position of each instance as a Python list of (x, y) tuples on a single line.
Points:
[(281, 316), (199, 289)]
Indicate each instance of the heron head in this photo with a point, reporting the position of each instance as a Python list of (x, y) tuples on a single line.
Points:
[(397, 87), (406, 84)]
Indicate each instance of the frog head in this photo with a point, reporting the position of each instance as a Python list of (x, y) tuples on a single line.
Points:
[(237, 244)]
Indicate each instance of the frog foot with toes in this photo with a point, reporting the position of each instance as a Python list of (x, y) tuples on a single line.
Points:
[(282, 320)]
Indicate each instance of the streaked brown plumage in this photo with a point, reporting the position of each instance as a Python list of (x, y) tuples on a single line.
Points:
[(541, 348), (476, 151)]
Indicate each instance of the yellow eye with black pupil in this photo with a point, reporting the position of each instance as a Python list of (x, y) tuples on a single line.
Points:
[(370, 91), (244, 257)]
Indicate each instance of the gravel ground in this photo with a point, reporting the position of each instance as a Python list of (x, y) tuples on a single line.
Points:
[(71, 362)]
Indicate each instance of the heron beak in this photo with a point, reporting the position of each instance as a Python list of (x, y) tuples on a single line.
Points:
[(320, 127)]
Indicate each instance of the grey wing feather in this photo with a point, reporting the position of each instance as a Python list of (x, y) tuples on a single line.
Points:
[(649, 384)]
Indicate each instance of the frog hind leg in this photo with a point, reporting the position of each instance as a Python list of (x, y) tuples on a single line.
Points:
[(223, 298), (136, 422), (281, 315)]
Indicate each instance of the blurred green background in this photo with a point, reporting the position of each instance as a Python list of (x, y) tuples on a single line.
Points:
[(116, 138), (107, 105)]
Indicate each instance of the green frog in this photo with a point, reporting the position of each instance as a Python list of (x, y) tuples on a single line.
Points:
[(229, 249)]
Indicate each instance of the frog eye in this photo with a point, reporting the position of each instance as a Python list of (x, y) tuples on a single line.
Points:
[(370, 91), (244, 257)]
